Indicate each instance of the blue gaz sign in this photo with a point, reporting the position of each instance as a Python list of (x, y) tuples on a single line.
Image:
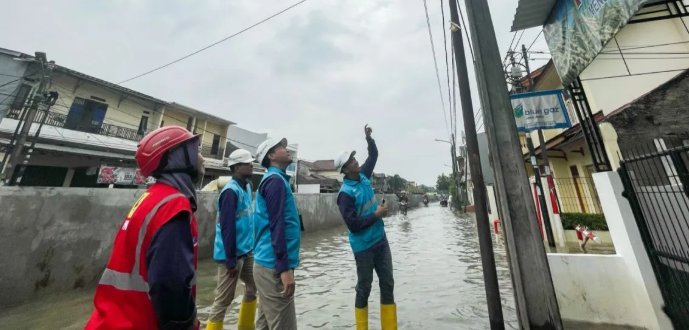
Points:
[(540, 110)]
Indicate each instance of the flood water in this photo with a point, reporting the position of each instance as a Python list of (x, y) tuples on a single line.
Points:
[(438, 278), (438, 281)]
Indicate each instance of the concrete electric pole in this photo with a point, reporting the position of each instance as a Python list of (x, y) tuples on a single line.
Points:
[(38, 99), (537, 305), (490, 278)]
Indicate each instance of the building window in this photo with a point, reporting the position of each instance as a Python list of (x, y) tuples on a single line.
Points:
[(190, 123), (86, 115), (216, 144), (143, 125)]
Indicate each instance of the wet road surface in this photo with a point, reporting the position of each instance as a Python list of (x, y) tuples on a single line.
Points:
[(438, 281)]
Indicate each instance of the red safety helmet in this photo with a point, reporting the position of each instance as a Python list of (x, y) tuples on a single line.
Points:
[(154, 145)]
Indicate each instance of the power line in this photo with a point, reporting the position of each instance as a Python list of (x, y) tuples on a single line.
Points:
[(9, 82), (534, 41), (511, 43), (10, 75), (5, 99), (644, 53), (454, 90), (437, 71), (519, 40), (479, 128), (213, 44), (627, 58), (636, 74), (656, 45), (466, 30), (453, 116)]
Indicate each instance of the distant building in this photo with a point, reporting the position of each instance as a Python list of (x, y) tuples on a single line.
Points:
[(380, 183), (240, 138), (311, 180), (89, 136), (325, 168)]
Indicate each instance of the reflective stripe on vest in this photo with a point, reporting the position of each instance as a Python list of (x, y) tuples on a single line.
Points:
[(133, 281), (124, 281)]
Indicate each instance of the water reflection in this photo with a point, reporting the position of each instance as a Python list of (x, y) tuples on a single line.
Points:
[(438, 276)]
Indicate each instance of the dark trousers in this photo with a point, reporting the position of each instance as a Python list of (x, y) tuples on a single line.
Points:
[(380, 259)]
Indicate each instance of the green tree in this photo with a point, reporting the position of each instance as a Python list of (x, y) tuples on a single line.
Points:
[(397, 183), (443, 183)]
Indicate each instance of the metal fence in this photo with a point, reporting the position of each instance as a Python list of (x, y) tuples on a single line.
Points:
[(656, 184), (577, 195), (59, 120)]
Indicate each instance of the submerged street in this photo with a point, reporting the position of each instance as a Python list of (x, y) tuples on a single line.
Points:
[(438, 281)]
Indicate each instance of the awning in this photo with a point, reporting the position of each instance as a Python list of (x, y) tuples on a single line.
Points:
[(532, 13)]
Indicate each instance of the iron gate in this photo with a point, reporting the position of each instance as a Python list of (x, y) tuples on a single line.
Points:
[(656, 183)]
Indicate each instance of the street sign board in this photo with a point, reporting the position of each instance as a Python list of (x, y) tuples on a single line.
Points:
[(540, 110), (121, 175)]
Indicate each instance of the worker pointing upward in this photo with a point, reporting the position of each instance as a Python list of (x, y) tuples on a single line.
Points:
[(363, 216)]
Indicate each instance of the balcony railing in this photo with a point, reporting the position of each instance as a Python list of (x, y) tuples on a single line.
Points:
[(59, 120)]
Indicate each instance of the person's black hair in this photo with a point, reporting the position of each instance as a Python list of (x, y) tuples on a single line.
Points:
[(266, 160)]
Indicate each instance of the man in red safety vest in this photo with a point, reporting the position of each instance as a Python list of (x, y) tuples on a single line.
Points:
[(149, 281)]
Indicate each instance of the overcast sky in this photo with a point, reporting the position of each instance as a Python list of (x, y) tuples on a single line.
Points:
[(315, 74)]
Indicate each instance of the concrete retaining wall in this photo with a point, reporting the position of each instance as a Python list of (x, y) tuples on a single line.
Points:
[(610, 289), (59, 239)]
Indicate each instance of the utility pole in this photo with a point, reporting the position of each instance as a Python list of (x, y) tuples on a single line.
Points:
[(39, 98), (541, 195), (49, 102), (517, 87), (546, 171), (490, 278), (533, 284)]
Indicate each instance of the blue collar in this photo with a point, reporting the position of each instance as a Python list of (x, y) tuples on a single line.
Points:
[(351, 182), (274, 169)]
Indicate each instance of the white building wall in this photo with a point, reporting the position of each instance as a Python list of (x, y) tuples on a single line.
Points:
[(309, 188), (616, 289), (610, 94)]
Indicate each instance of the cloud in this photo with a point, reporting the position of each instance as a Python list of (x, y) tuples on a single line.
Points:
[(315, 74)]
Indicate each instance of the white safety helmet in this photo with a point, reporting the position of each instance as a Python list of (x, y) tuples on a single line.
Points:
[(240, 156), (265, 146), (342, 159)]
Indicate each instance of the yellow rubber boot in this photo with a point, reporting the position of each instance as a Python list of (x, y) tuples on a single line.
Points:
[(388, 317), (361, 316), (247, 316), (214, 325)]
